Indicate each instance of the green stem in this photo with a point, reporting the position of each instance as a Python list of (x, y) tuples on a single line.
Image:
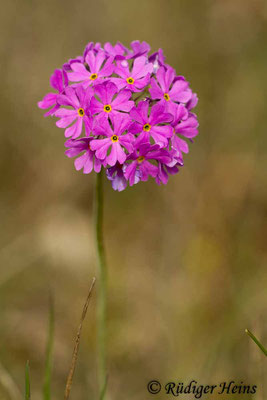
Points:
[(102, 285), (250, 334)]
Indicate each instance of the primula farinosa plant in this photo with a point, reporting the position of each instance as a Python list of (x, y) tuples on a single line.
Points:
[(125, 112)]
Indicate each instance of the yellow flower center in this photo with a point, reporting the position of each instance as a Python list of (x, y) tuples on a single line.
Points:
[(130, 80), (140, 159), (93, 77), (166, 97), (81, 112), (107, 108), (147, 127), (114, 138)]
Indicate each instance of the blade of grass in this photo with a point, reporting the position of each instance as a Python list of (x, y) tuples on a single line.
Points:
[(49, 350), (77, 344), (250, 334), (27, 382), (104, 389)]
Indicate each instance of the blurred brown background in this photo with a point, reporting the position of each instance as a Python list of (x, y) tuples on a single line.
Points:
[(187, 262)]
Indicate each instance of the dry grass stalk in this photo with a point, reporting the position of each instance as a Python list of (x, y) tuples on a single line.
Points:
[(77, 344)]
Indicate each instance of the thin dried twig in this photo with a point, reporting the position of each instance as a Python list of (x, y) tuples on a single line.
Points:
[(77, 344)]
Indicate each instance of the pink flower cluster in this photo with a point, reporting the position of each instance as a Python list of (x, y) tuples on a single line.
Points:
[(123, 110)]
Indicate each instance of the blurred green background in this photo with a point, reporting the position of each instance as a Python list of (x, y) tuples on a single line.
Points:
[(187, 262)]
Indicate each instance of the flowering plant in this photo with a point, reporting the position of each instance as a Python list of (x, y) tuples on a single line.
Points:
[(125, 111)]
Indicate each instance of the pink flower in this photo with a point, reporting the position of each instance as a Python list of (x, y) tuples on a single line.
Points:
[(155, 125), (87, 161), (184, 124), (115, 174), (138, 49), (100, 66), (118, 51), (169, 168), (111, 102), (78, 115), (136, 79), (59, 82), (169, 89), (116, 139), (140, 167)]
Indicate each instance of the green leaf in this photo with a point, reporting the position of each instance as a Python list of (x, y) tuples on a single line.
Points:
[(27, 382)]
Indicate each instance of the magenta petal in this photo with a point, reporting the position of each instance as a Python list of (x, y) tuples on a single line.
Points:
[(95, 106), (169, 77), (180, 112), (162, 177), (163, 130), (141, 83), (121, 156), (139, 113), (143, 137), (180, 144), (74, 130), (155, 91), (135, 128), (72, 97), (121, 102), (161, 134), (108, 68), (88, 165), (147, 169), (192, 102), (96, 144), (91, 61), (64, 112), (161, 79), (52, 110), (101, 146), (141, 68), (130, 172), (99, 59), (56, 80), (48, 101), (79, 72), (121, 123), (188, 128), (97, 165), (73, 151), (158, 114), (122, 69), (120, 83), (80, 161), (113, 156), (106, 92), (66, 121), (180, 92), (101, 126)]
